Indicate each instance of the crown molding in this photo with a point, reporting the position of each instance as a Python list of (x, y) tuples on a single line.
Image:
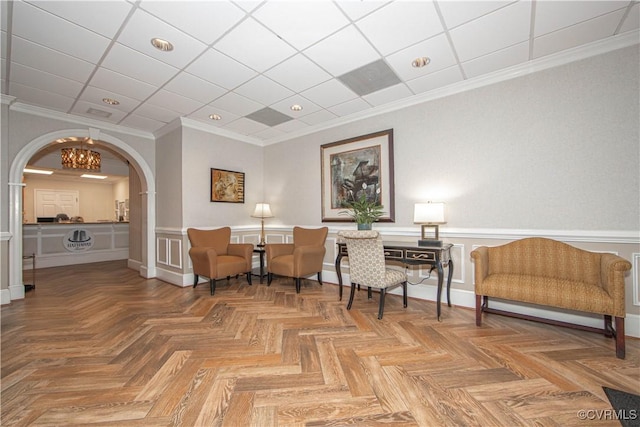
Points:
[(599, 47), (71, 118)]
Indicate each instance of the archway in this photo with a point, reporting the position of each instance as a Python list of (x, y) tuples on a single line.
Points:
[(148, 267)]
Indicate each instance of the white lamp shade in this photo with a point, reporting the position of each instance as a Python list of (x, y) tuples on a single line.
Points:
[(428, 213), (263, 210)]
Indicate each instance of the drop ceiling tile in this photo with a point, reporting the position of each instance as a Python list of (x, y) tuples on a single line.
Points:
[(357, 9), (175, 102), (342, 52), (204, 20), (245, 126), (495, 61), (4, 14), (95, 95), (554, 15), (435, 80), (263, 90), (143, 27), (140, 122), (349, 107), (44, 81), (505, 27), (203, 113), (456, 13), (51, 31), (437, 49), (236, 104), (575, 35), (298, 73), (292, 126), (40, 98), (329, 93), (194, 87), (85, 109), (301, 23), (268, 133), (388, 95), (156, 113), (318, 117), (127, 61), (284, 106), (400, 24), (119, 83), (36, 56), (632, 21), (254, 45), (111, 13), (248, 5), (221, 70)]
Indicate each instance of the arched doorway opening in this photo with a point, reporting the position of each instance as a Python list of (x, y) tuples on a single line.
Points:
[(147, 266)]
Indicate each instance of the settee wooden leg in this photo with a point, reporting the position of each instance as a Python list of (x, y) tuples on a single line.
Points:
[(404, 294), (478, 310), (249, 278), (608, 329), (298, 284), (620, 350), (320, 277), (212, 284), (195, 281)]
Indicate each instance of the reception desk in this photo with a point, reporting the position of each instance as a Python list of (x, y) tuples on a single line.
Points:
[(58, 244)]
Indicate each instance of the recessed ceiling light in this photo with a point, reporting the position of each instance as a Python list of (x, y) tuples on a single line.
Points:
[(296, 107), (38, 171), (110, 101), (162, 45), (421, 62), (215, 117), (87, 175)]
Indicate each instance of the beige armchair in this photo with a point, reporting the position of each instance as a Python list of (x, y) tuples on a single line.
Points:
[(299, 259), (214, 256)]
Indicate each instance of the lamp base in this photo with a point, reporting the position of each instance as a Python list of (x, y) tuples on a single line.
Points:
[(430, 242)]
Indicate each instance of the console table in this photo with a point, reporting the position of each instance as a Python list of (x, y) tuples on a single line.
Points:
[(412, 254)]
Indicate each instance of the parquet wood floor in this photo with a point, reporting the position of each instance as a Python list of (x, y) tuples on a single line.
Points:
[(98, 345)]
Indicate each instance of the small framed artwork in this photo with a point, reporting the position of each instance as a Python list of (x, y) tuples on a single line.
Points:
[(356, 167), (227, 186)]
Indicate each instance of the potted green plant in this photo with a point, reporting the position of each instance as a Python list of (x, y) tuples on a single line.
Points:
[(364, 211)]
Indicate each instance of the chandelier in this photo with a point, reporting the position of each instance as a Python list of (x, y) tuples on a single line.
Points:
[(80, 158)]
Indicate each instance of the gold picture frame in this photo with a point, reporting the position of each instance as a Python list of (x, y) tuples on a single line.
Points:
[(227, 186), (356, 166)]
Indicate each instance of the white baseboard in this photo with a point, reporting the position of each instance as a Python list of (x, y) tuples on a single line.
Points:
[(466, 298), (5, 296), (59, 260)]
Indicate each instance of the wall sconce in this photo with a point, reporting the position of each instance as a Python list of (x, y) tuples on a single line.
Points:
[(430, 215), (262, 211)]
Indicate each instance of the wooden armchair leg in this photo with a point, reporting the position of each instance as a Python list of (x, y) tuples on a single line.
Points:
[(320, 277), (608, 329), (212, 284), (478, 310), (404, 294), (269, 278), (298, 285), (249, 278), (195, 280), (620, 347)]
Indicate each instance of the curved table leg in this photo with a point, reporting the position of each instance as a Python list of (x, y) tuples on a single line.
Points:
[(440, 281), (339, 273), (449, 282)]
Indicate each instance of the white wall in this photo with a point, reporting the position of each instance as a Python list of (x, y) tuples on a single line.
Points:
[(554, 150)]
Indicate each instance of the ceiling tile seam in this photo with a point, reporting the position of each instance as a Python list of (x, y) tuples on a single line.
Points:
[(532, 26), (626, 14), (101, 60), (449, 40), (7, 73)]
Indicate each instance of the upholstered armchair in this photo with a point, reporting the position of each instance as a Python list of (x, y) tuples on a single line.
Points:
[(214, 256), (299, 259), (367, 266)]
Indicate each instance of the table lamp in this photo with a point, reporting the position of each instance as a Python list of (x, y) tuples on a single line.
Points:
[(430, 215), (262, 211)]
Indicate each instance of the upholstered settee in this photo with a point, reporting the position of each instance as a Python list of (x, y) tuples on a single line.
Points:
[(551, 273)]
